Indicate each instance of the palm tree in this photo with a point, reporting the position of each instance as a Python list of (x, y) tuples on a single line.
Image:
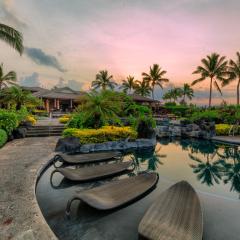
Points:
[(155, 77), (173, 93), (12, 37), (18, 97), (128, 84), (100, 108), (5, 79), (213, 67), (103, 80), (234, 69), (187, 91), (142, 88)]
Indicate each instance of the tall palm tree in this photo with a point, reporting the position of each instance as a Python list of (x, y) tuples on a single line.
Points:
[(234, 69), (213, 67), (128, 84), (12, 37), (142, 88), (103, 80), (173, 93), (155, 77), (187, 91), (5, 79)]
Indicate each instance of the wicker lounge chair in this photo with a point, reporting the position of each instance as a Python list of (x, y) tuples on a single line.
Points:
[(117, 193), (85, 157), (93, 172), (175, 215)]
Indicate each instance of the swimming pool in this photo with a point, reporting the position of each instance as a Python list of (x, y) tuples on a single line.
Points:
[(213, 169)]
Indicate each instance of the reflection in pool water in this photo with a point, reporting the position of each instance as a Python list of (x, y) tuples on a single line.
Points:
[(212, 169)]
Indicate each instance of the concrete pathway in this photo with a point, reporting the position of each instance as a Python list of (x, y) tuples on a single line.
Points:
[(49, 122), (20, 160), (228, 139)]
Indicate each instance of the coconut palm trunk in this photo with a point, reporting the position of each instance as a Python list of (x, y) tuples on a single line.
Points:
[(238, 85), (210, 93)]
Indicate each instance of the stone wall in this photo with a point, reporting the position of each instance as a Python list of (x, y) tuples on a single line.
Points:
[(178, 128), (72, 145)]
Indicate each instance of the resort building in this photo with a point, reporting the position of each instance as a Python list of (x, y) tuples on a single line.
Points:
[(66, 99)]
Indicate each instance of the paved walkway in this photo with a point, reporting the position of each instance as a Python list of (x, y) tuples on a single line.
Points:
[(20, 160), (49, 122), (228, 139)]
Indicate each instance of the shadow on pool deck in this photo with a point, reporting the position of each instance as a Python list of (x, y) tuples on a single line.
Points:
[(20, 160)]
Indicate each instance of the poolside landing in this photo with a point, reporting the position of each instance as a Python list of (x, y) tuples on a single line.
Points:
[(20, 160), (227, 139)]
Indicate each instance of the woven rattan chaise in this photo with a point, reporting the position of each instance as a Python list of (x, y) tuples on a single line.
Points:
[(117, 193), (85, 157), (94, 172), (175, 215)]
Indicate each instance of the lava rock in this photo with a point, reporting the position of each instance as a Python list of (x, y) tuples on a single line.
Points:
[(68, 145)]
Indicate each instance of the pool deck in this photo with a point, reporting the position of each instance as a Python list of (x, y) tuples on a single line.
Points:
[(227, 139), (20, 162)]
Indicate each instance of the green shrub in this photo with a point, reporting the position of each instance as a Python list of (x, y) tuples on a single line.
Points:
[(207, 115), (8, 121), (178, 110), (104, 134), (3, 137)]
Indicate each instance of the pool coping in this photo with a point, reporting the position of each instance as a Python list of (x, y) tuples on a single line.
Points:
[(46, 231)]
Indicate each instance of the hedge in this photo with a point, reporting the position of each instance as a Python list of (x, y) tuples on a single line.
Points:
[(3, 137), (104, 134), (8, 121)]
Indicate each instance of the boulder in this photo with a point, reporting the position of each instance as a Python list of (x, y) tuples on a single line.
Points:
[(68, 145), (20, 132)]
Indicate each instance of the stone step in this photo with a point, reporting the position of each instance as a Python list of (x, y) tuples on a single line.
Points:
[(42, 134), (46, 127), (44, 130)]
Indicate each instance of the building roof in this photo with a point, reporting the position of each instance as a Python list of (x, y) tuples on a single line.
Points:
[(57, 93)]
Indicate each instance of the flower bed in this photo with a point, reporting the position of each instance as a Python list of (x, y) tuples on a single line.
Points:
[(104, 134)]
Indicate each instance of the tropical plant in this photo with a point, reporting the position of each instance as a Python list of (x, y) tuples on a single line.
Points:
[(213, 67), (99, 109), (187, 91), (129, 84), (7, 79), (18, 97), (234, 69), (103, 81), (155, 77), (12, 37), (142, 88)]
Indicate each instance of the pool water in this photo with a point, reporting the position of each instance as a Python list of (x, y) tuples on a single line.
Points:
[(213, 169)]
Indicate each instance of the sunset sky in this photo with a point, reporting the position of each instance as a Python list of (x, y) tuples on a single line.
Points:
[(72, 40)]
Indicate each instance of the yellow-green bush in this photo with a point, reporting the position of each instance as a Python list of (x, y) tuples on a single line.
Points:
[(64, 119), (104, 134), (31, 119), (222, 129)]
